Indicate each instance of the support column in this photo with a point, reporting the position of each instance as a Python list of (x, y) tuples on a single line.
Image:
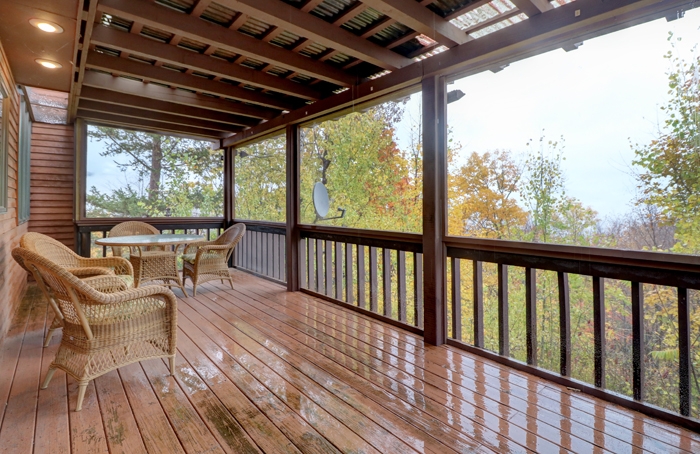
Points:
[(293, 207), (229, 187), (434, 208)]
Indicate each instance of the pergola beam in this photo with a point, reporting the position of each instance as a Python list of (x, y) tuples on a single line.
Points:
[(532, 7), (282, 15), (156, 105), (119, 120), (214, 35), (173, 95), (141, 70), (421, 19), (165, 53), (95, 106), (80, 56)]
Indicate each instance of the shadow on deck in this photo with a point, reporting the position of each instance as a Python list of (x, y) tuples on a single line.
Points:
[(263, 370)]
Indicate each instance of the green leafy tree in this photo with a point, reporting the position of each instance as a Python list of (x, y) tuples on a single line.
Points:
[(166, 176)]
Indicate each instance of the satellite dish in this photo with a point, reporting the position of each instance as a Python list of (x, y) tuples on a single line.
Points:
[(322, 202)]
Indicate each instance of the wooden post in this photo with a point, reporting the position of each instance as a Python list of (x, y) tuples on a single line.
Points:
[(293, 209), (434, 208), (229, 187)]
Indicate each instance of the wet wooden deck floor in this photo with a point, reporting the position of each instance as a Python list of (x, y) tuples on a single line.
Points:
[(263, 370)]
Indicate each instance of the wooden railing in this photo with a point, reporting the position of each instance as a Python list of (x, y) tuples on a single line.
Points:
[(637, 268), (88, 230), (262, 251), (379, 273)]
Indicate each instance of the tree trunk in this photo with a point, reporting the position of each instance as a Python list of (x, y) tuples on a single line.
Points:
[(156, 167)]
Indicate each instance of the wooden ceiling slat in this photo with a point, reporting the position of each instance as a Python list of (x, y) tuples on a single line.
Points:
[(134, 87), (139, 45), (200, 7), (95, 106), (156, 105), (212, 34), (350, 13), (138, 123), (282, 15), (421, 19), (379, 26), (77, 83), (165, 76), (310, 5), (532, 7)]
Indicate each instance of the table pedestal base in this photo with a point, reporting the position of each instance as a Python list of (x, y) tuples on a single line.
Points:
[(156, 266)]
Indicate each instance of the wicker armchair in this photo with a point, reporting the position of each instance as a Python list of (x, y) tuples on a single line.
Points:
[(154, 263), (106, 324), (79, 266), (208, 260)]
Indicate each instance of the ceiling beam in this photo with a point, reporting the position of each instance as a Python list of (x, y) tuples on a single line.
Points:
[(81, 56), (421, 19), (533, 7), (153, 91), (165, 53), (200, 7), (144, 114), (142, 70), (181, 24), (282, 15), (156, 105), (355, 10), (158, 126)]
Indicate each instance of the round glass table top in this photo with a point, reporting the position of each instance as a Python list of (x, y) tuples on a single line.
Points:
[(149, 240)]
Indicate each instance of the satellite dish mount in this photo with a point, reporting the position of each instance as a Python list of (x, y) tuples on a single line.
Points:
[(322, 203)]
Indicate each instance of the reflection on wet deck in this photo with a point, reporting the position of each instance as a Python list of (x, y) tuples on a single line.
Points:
[(263, 370)]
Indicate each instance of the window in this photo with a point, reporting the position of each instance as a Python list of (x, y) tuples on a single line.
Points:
[(261, 180), (143, 174), (24, 161), (370, 162)]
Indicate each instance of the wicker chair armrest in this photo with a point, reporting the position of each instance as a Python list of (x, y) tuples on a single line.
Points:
[(119, 264), (89, 271), (106, 284), (139, 292), (215, 250), (197, 244)]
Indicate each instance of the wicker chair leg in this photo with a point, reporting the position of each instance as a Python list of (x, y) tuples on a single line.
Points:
[(230, 281), (172, 365), (82, 386), (49, 376), (194, 288), (49, 335)]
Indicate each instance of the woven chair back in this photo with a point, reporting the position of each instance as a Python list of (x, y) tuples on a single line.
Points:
[(231, 237), (49, 248), (130, 228)]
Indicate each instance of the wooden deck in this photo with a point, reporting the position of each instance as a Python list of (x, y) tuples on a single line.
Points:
[(263, 370)]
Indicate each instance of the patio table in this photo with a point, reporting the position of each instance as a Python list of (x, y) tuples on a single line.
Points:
[(153, 265)]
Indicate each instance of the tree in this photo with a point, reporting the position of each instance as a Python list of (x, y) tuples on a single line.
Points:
[(671, 162), (164, 175)]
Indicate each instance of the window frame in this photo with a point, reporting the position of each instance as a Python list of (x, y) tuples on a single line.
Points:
[(24, 161), (4, 148)]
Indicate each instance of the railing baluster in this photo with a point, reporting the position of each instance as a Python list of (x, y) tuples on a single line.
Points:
[(283, 258), (564, 324), (401, 284), (531, 315), (302, 262), (599, 331), (361, 277), (373, 288), (329, 268), (418, 289), (456, 299), (310, 244), (271, 268), (338, 270), (348, 273), (637, 340), (503, 334), (386, 277), (684, 392), (319, 266), (478, 288)]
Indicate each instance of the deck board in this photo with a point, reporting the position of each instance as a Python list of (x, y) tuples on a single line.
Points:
[(263, 370)]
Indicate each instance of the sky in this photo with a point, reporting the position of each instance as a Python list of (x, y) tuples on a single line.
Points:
[(600, 97)]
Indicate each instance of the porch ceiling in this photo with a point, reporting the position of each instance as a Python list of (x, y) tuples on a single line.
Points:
[(230, 69)]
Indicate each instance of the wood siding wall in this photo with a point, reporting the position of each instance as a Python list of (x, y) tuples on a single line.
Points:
[(12, 277), (52, 182)]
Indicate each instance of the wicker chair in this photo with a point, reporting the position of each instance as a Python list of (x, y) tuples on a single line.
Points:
[(106, 324), (79, 266), (208, 260), (154, 263)]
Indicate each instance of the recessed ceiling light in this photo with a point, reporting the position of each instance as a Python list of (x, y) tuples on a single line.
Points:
[(46, 26), (48, 63)]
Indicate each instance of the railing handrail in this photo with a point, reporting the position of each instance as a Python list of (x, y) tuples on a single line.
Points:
[(94, 224), (258, 222), (409, 242)]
